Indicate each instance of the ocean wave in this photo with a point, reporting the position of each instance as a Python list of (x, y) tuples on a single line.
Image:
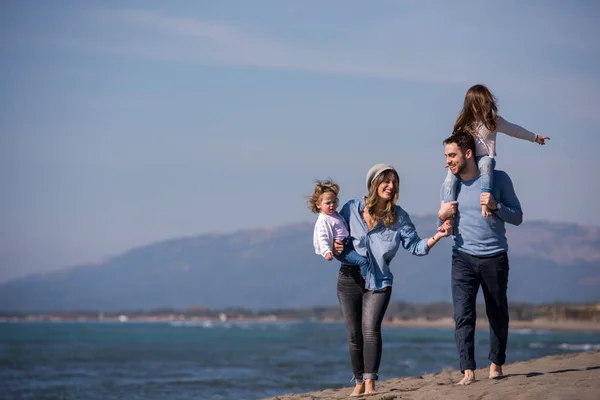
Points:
[(522, 331), (193, 324), (579, 347), (528, 331), (536, 345)]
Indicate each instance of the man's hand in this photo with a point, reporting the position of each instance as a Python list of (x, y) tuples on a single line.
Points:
[(329, 256), (541, 140), (447, 210), (487, 199), (338, 247)]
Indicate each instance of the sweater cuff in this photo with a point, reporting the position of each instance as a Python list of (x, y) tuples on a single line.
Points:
[(324, 252)]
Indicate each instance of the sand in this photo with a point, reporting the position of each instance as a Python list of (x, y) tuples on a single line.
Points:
[(566, 376), (537, 324)]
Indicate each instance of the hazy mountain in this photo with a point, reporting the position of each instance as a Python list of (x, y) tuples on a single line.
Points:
[(269, 268)]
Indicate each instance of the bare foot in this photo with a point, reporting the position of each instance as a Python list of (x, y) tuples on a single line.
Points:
[(485, 211), (495, 371), (369, 387), (468, 378), (358, 391)]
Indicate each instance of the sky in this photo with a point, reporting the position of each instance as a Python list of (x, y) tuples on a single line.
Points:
[(124, 123)]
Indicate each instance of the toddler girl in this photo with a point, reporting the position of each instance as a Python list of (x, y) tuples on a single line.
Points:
[(331, 226)]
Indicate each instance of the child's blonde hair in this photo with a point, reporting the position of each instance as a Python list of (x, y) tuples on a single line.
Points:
[(479, 108), (321, 187)]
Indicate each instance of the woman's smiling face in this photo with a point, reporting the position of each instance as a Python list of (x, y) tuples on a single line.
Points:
[(388, 188)]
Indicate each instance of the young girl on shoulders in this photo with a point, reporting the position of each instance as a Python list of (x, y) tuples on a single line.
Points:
[(480, 118)]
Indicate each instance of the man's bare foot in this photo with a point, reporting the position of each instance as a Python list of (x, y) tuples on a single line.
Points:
[(468, 378), (369, 387), (485, 211), (495, 371), (358, 391)]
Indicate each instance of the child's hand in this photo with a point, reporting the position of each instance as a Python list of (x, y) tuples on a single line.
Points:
[(541, 139), (329, 256), (487, 199)]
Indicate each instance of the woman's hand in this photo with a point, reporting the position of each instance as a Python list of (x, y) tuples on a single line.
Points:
[(338, 247), (541, 139), (446, 228)]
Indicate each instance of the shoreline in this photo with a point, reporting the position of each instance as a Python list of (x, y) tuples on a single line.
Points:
[(534, 325), (563, 325)]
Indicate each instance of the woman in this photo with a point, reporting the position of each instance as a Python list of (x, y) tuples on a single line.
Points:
[(377, 226)]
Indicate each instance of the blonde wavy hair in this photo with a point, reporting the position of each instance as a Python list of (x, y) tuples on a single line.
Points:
[(321, 187), (388, 217)]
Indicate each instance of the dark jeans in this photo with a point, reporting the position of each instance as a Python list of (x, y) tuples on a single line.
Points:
[(363, 312), (468, 273)]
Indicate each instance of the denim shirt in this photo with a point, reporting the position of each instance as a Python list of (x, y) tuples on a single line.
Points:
[(381, 243)]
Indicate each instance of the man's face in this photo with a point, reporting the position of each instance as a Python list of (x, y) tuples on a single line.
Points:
[(455, 158)]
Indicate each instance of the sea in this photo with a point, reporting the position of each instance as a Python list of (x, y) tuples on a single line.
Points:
[(226, 360)]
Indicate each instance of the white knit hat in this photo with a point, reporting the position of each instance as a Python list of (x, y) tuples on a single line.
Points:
[(375, 171)]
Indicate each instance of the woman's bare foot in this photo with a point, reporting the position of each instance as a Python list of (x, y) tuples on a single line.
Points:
[(358, 391), (495, 371), (369, 386), (485, 211), (468, 378)]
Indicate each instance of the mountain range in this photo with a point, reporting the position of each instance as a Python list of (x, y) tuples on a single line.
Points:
[(277, 268)]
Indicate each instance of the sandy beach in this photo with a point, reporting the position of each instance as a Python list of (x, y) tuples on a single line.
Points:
[(567, 376), (537, 324)]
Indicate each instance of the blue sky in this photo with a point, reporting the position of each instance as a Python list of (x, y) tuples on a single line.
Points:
[(123, 123)]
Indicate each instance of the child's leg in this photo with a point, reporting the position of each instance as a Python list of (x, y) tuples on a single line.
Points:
[(486, 167), (450, 185), (350, 256)]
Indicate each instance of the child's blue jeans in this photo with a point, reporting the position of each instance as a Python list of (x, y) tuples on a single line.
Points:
[(486, 167), (350, 256)]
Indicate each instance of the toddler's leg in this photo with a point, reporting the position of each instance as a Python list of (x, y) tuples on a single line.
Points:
[(350, 256), (450, 186), (486, 167)]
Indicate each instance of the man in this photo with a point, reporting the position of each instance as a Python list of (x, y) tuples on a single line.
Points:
[(479, 254)]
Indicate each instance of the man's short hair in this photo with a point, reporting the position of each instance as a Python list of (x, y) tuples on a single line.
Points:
[(463, 140)]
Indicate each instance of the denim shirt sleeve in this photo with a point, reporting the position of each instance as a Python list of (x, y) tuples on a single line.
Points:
[(345, 212), (409, 236)]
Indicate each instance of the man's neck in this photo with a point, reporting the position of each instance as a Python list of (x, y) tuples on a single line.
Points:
[(470, 172)]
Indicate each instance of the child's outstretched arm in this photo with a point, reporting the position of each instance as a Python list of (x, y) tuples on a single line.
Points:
[(517, 131)]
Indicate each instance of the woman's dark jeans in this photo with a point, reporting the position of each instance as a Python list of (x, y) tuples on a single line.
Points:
[(363, 312)]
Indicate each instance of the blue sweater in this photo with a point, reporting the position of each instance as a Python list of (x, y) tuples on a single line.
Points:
[(482, 236), (381, 243)]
